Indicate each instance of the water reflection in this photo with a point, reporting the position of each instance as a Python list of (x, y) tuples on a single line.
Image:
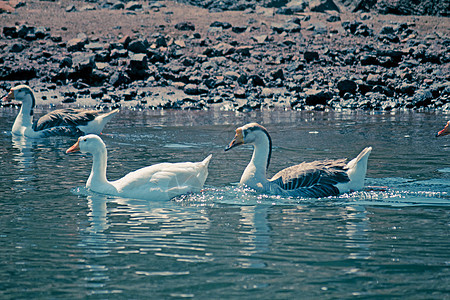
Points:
[(24, 156), (357, 227), (255, 235)]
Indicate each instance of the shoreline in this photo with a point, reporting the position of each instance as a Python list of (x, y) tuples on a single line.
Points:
[(174, 56)]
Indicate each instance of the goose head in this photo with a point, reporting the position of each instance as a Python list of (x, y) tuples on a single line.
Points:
[(24, 94), (444, 131), (90, 143), (250, 134), (255, 135), (21, 93)]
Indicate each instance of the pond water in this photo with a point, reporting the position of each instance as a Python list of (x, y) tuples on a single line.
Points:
[(60, 241)]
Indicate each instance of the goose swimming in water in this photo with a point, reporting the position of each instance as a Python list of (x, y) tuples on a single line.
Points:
[(308, 179), (444, 131), (69, 121), (162, 181)]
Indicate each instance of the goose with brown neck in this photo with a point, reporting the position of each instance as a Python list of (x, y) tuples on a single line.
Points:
[(308, 179), (69, 121)]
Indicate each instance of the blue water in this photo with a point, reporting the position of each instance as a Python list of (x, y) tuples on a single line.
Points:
[(60, 241)]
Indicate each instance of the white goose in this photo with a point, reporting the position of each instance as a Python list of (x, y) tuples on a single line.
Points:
[(444, 131), (314, 179), (70, 121), (158, 182)]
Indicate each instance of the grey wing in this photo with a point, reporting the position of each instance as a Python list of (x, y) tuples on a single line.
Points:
[(315, 179), (61, 131), (69, 117)]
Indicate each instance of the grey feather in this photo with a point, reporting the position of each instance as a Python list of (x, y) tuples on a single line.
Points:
[(69, 117), (313, 179)]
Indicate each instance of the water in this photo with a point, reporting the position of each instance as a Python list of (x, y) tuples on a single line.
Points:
[(60, 241)]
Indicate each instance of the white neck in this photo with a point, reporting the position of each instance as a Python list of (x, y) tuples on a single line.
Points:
[(97, 180), (254, 174), (24, 119)]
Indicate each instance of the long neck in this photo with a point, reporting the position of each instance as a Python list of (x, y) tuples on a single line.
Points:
[(25, 116), (256, 169), (98, 171)]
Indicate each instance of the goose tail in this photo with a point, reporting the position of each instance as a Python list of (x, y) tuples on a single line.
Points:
[(357, 169)]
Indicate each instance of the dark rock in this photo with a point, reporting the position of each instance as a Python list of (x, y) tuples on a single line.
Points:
[(66, 62), (421, 98), (357, 28), (118, 79), (118, 5), (347, 86), (369, 60), (17, 47), (133, 5), (69, 100), (333, 18), (116, 53), (278, 74), (76, 44), (310, 56), (138, 46), (161, 42), (137, 66), (185, 26), (223, 25), (314, 97), (322, 5), (18, 72), (71, 8), (239, 29), (10, 31), (256, 80)]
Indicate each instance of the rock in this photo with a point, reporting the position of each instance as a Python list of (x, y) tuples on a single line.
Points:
[(240, 93), (17, 47), (185, 26), (118, 5), (10, 31), (314, 97), (223, 25), (310, 56), (239, 29), (373, 79), (277, 74), (347, 86), (256, 80), (71, 8), (333, 17), (322, 5), (133, 5), (366, 60), (138, 46), (421, 98), (357, 28), (76, 44), (194, 89), (137, 66), (118, 79), (66, 62)]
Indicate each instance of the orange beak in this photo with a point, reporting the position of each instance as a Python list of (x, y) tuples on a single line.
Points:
[(74, 148), (9, 97), (444, 131), (238, 140)]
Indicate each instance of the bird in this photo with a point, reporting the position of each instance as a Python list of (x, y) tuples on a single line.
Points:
[(68, 121), (444, 131), (315, 179), (161, 181)]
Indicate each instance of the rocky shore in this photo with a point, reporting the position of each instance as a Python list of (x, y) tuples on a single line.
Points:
[(164, 54)]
